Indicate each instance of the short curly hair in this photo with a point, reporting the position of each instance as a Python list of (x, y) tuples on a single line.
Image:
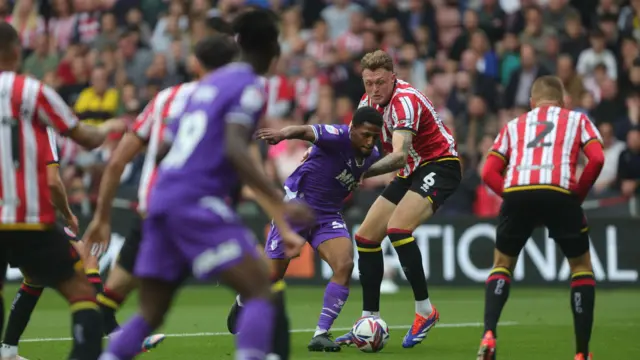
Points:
[(377, 60)]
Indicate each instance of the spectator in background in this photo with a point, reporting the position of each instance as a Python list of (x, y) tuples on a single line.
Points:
[(595, 55), (509, 52), (98, 102), (612, 150), (631, 119), (337, 16), (319, 45), (535, 31), (62, 24), (610, 107), (573, 83), (134, 59), (43, 59), (574, 39), (628, 22), (417, 71), (87, 26), (487, 60), (517, 92), (28, 22), (492, 19), (556, 13), (629, 164), (419, 16), (110, 32), (629, 52), (307, 87), (461, 43)]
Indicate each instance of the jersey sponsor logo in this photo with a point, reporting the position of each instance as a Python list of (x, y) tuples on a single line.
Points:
[(252, 99), (338, 225), (332, 129), (347, 180)]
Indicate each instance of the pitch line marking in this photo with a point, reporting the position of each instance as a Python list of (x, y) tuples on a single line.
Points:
[(204, 334)]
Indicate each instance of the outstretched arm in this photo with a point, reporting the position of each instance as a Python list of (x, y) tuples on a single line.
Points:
[(298, 132), (401, 142)]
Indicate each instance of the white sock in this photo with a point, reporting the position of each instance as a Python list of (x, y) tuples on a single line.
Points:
[(239, 301), (8, 351), (371, 313), (424, 307), (319, 331)]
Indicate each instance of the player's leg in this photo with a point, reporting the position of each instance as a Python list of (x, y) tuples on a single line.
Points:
[(336, 248), (571, 232), (49, 259), (370, 257), (517, 220), (22, 307), (431, 185)]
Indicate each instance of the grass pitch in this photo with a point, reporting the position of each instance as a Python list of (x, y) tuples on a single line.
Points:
[(536, 323)]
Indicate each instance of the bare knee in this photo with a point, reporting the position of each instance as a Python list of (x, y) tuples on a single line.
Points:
[(76, 287)]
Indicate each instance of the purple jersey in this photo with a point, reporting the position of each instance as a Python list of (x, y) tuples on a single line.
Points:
[(331, 172), (196, 166)]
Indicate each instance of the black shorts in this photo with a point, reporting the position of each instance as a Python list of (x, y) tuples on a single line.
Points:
[(435, 181), (524, 210), (129, 250), (46, 257)]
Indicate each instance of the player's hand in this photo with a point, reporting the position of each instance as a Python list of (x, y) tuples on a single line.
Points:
[(72, 225), (293, 243), (298, 213), (96, 238), (114, 126), (306, 155), (271, 136)]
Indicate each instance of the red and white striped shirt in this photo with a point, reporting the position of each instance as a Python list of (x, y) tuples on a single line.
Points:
[(149, 126), (280, 94), (27, 108), (351, 42), (541, 148), (307, 93), (411, 110)]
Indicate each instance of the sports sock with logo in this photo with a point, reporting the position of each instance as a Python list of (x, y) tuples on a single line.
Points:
[(86, 329), (255, 329), (496, 295), (94, 278), (23, 305), (410, 258), (109, 302), (583, 296), (335, 296), (371, 266), (281, 340)]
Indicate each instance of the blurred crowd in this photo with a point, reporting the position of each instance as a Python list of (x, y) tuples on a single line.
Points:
[(475, 59)]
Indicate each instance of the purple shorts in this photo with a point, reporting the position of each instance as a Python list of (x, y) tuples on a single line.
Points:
[(191, 240), (327, 227)]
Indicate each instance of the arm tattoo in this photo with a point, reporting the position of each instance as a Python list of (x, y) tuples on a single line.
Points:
[(394, 161)]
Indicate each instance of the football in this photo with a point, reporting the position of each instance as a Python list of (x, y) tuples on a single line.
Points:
[(370, 334)]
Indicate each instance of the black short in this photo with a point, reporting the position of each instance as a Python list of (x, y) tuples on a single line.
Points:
[(46, 257), (435, 181), (524, 210), (129, 250)]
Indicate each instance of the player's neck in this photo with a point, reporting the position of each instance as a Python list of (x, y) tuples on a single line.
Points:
[(547, 104), (8, 67)]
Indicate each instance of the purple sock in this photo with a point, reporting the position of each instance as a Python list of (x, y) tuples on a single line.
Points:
[(255, 330), (128, 342), (334, 298)]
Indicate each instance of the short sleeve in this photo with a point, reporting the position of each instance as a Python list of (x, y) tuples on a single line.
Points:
[(405, 113), (364, 101), (52, 111), (144, 122), (588, 132), (330, 136), (500, 145), (249, 107)]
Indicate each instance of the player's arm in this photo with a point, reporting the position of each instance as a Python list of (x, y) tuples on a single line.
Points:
[(397, 159), (297, 132), (496, 162), (591, 142), (52, 111), (130, 146), (54, 181)]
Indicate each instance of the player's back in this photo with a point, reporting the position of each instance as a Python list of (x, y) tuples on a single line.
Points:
[(542, 148), (26, 109), (331, 172), (197, 166)]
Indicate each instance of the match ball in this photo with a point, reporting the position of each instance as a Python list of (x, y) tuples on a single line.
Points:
[(370, 334)]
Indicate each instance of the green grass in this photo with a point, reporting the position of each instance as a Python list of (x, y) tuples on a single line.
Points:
[(541, 325)]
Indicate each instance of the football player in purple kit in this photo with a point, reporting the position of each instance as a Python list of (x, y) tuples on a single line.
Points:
[(338, 159), (189, 228)]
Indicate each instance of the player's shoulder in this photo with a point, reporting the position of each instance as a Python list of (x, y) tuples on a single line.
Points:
[(405, 91), (11, 80)]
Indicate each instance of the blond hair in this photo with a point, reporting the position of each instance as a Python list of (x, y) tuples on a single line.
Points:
[(377, 60), (549, 88)]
